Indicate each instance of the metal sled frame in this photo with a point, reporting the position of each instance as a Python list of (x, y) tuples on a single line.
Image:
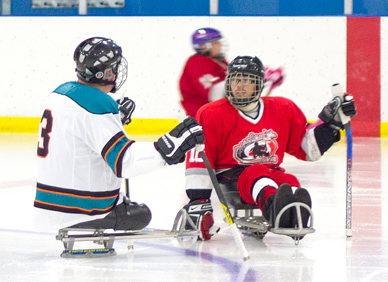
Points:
[(298, 231), (258, 225), (107, 239)]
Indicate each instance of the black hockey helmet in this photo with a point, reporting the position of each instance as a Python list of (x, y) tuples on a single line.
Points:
[(98, 59), (252, 70)]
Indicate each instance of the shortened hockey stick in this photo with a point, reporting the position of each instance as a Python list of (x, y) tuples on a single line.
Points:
[(337, 90), (221, 197)]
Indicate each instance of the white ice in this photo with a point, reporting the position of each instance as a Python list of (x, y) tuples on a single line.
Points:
[(27, 254)]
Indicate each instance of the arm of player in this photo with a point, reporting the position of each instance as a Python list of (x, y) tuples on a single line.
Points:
[(217, 91), (274, 78), (143, 157), (140, 158)]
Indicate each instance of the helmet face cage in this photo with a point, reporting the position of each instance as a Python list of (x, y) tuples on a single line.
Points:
[(204, 36), (98, 59), (121, 75), (242, 73), (241, 81)]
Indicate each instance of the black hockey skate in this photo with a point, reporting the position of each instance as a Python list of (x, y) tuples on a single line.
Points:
[(282, 198), (291, 213), (301, 195)]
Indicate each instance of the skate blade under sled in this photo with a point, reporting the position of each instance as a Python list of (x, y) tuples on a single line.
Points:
[(69, 236), (244, 216)]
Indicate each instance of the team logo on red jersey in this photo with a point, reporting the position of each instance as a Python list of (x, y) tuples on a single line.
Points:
[(257, 148)]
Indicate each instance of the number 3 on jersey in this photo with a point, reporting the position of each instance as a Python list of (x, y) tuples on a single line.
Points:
[(45, 128)]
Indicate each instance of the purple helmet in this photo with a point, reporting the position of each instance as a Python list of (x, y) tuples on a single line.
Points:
[(203, 35)]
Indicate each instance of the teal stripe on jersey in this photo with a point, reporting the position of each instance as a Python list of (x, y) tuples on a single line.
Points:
[(89, 98), (113, 154), (85, 204)]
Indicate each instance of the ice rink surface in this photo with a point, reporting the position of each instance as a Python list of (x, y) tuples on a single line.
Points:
[(27, 254)]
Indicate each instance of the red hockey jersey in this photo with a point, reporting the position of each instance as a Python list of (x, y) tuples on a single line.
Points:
[(233, 139), (199, 75)]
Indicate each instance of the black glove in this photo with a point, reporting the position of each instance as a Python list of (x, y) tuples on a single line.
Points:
[(174, 145), (348, 106), (126, 108), (329, 114)]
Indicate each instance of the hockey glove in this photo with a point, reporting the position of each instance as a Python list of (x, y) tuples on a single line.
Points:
[(348, 106), (201, 212), (330, 116), (174, 145), (126, 108)]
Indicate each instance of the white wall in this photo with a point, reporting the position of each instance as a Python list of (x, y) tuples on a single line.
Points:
[(36, 56)]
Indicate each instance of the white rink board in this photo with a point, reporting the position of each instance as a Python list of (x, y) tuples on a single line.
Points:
[(37, 56)]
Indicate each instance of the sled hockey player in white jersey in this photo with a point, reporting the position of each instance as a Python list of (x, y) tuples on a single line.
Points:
[(84, 151), (247, 137)]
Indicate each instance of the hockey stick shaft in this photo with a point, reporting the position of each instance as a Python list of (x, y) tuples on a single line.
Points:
[(338, 91), (128, 199), (349, 180), (221, 197), (127, 188)]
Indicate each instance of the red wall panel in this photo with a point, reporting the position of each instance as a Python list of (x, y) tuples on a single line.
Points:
[(363, 73)]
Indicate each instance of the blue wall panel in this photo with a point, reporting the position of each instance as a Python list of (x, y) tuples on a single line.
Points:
[(370, 7), (226, 8), (248, 7), (132, 8), (281, 7), (311, 8)]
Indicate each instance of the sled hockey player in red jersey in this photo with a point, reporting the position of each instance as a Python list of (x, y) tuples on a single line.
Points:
[(84, 151), (246, 138), (202, 80)]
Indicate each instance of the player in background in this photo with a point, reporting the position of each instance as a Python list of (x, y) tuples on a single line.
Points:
[(84, 151), (202, 80), (246, 138)]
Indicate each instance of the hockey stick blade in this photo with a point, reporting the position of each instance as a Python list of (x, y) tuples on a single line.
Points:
[(337, 91)]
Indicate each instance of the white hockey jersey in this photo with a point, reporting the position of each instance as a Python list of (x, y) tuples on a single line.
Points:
[(81, 149)]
